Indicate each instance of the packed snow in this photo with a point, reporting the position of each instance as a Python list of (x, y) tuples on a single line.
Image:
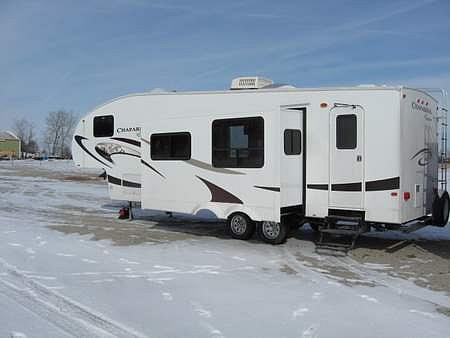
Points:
[(70, 268)]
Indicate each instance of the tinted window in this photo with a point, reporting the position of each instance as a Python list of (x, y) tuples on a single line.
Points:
[(170, 146), (238, 143), (103, 126), (346, 132), (292, 142)]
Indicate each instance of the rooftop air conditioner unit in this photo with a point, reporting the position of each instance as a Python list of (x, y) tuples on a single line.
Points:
[(250, 82)]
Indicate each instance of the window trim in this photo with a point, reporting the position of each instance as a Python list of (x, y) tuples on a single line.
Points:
[(236, 120), (100, 117), (284, 141), (177, 158), (355, 144)]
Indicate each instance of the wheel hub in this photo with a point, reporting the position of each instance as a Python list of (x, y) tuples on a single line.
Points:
[(271, 230), (238, 225)]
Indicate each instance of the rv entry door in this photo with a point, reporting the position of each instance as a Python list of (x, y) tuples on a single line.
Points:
[(291, 168), (346, 157)]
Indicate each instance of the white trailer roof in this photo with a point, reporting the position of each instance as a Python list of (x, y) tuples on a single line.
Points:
[(269, 89)]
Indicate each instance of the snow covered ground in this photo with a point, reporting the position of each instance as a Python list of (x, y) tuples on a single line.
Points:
[(69, 268)]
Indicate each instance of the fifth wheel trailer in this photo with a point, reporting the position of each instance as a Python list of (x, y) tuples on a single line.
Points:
[(263, 158)]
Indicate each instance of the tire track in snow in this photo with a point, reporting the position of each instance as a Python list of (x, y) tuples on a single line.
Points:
[(61, 311)]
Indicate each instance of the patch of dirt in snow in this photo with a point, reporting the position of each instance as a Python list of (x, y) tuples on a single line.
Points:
[(444, 310), (333, 271), (53, 170), (426, 263), (287, 269), (121, 233)]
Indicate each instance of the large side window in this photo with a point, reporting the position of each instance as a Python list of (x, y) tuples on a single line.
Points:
[(104, 126), (346, 131), (238, 143), (170, 146), (292, 142)]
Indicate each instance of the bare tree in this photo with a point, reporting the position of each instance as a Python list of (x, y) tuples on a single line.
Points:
[(58, 134), (25, 131)]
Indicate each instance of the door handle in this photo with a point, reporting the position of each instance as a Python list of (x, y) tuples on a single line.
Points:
[(358, 158)]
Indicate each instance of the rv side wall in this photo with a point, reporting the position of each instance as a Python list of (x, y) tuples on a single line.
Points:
[(382, 157), (196, 186), (379, 110), (419, 154)]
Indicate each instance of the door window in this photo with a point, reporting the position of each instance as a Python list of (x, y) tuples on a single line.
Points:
[(292, 142), (346, 131)]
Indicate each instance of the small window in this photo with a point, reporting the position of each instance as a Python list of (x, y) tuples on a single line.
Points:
[(292, 142), (346, 131), (238, 143), (170, 146), (104, 126)]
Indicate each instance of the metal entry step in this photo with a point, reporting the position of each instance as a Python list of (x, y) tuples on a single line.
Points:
[(338, 234), (341, 232)]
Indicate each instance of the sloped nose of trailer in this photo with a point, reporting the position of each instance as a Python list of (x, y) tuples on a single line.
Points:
[(77, 152)]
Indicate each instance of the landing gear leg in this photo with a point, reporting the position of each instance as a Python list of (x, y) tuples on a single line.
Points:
[(130, 210)]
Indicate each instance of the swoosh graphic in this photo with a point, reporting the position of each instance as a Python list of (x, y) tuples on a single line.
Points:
[(127, 140), (424, 150), (79, 139), (423, 160), (128, 154), (149, 166), (207, 166), (276, 189), (219, 194), (103, 154)]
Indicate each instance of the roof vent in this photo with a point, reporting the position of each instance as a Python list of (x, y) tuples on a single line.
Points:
[(250, 82)]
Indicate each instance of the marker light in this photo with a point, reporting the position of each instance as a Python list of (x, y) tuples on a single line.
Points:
[(323, 105), (394, 194), (406, 196)]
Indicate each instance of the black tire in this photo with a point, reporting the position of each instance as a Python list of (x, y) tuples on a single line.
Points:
[(240, 226), (294, 222), (314, 226), (273, 232), (440, 210)]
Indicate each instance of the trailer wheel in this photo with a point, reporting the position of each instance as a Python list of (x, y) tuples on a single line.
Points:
[(293, 221), (240, 226), (441, 207), (273, 232), (314, 226)]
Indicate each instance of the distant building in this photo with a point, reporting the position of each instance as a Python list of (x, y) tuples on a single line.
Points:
[(10, 145)]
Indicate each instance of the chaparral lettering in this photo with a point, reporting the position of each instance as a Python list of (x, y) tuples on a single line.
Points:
[(128, 130)]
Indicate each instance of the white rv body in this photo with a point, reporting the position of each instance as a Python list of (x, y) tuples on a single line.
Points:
[(390, 176), (118, 154), (371, 178)]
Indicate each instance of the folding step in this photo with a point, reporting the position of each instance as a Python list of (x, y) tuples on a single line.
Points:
[(341, 232), (333, 248)]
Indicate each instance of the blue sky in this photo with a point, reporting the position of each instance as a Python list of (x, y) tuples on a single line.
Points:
[(77, 54)]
